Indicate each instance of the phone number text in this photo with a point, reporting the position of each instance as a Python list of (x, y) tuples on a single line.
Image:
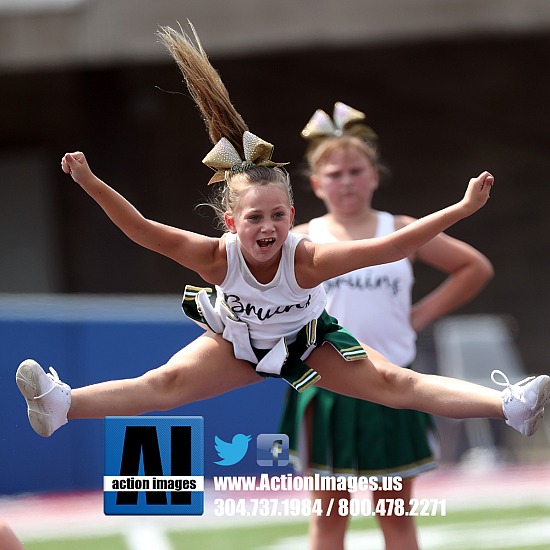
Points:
[(293, 507)]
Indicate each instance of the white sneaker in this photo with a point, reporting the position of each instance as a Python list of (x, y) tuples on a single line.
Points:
[(523, 405), (48, 399)]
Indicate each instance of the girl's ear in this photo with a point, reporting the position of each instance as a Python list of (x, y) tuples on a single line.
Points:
[(229, 222), (314, 182), (377, 179), (292, 212)]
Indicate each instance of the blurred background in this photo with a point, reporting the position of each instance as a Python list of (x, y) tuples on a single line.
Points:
[(451, 87)]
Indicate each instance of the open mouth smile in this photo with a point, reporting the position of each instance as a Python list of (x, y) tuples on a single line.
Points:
[(265, 243)]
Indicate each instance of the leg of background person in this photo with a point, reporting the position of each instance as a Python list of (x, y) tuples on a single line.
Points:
[(328, 532), (8, 539), (399, 531)]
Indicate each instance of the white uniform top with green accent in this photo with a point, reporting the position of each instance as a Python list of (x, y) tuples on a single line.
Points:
[(373, 303), (274, 310)]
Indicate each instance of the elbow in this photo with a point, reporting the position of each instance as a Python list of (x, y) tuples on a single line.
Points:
[(484, 270), (487, 270), (134, 234)]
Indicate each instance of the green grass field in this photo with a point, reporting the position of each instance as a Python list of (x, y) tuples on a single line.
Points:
[(521, 528)]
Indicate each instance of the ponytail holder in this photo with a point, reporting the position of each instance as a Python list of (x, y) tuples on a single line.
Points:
[(224, 158)]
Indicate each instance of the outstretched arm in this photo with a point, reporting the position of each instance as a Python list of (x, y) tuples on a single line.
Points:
[(197, 252), (316, 263)]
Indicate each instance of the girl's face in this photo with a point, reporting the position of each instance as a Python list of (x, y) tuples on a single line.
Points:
[(262, 222), (345, 181)]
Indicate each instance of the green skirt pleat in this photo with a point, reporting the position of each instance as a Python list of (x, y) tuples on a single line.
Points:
[(355, 437)]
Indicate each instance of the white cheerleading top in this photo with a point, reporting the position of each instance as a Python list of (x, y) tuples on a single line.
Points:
[(274, 310), (373, 303)]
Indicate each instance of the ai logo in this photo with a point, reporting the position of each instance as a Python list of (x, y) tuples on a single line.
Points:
[(154, 465)]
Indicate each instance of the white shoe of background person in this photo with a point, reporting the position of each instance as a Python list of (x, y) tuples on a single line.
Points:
[(48, 399)]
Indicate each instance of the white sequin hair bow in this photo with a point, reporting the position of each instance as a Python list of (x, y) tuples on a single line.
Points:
[(345, 121), (224, 158)]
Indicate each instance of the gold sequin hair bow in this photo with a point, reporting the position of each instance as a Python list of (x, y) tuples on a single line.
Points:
[(224, 157), (345, 121)]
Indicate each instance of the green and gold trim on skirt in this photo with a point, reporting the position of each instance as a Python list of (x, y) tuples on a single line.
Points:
[(353, 353), (318, 331), (189, 303), (294, 369), (301, 382)]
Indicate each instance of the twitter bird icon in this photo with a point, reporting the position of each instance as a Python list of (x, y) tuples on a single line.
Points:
[(231, 453)]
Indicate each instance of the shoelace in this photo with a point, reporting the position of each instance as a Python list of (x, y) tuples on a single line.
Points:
[(54, 377), (515, 391)]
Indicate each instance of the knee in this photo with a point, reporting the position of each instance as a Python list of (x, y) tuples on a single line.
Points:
[(328, 532), (398, 382), (163, 382), (396, 378), (329, 525)]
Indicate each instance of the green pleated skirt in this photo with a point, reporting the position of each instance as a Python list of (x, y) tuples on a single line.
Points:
[(341, 435)]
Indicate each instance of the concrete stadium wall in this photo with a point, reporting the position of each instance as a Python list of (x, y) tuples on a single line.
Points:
[(89, 340), (59, 32)]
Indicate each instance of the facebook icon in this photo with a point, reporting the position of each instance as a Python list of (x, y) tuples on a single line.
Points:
[(272, 450)]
